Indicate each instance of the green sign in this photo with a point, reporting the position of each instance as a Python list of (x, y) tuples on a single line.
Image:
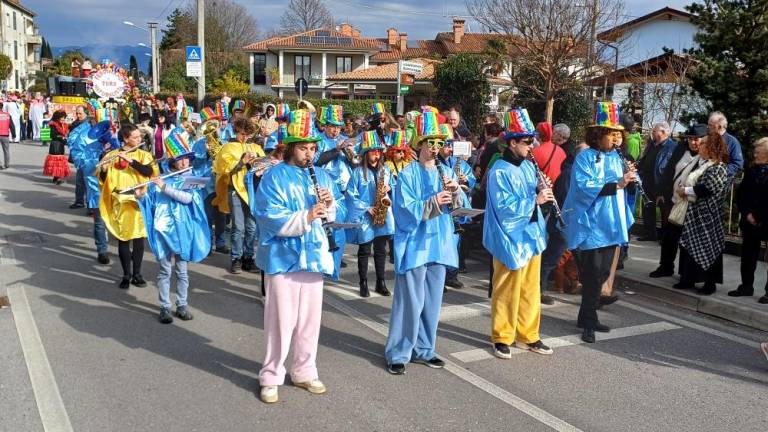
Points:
[(404, 89)]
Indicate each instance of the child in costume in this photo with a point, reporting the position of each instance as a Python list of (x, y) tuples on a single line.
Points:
[(56, 164), (177, 228), (291, 201), (232, 164), (206, 148), (597, 213), (370, 181), (423, 194), (514, 232), (121, 169), (399, 155)]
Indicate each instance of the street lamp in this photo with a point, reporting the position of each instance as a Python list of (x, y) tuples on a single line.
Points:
[(152, 30)]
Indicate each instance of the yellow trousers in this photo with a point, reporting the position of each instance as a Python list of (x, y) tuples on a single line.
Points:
[(516, 303)]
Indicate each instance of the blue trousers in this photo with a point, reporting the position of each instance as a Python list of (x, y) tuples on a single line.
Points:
[(80, 187), (164, 282), (217, 222), (243, 233), (99, 232), (415, 314)]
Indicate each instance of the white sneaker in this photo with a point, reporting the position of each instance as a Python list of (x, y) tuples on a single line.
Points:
[(269, 394), (314, 386)]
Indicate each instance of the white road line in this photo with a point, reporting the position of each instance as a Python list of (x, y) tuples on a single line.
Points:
[(478, 354), (488, 387), (649, 260), (53, 414), (693, 325), (7, 256)]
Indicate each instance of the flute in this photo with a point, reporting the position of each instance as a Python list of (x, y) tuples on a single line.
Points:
[(544, 182), (113, 157), (332, 247), (457, 229), (638, 181), (146, 183)]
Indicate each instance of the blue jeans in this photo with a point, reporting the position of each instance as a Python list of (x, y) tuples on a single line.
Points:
[(164, 282), (80, 187), (556, 246), (415, 314), (99, 232), (243, 233), (217, 222)]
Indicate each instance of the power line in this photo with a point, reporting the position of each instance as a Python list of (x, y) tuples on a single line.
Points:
[(170, 2)]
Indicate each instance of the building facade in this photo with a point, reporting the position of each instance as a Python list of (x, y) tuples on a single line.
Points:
[(21, 41)]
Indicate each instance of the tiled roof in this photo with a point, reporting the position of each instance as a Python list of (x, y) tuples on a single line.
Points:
[(318, 38), (426, 48), (17, 4), (386, 72), (470, 42)]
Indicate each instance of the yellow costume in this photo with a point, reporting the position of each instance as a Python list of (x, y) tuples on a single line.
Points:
[(516, 303), (396, 167), (121, 212), (228, 157)]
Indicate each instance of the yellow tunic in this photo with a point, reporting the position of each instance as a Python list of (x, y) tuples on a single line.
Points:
[(396, 167), (226, 160), (120, 212)]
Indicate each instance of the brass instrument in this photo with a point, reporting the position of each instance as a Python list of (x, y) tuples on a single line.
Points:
[(260, 165), (349, 152), (544, 183), (382, 202), (457, 229), (457, 170), (210, 131)]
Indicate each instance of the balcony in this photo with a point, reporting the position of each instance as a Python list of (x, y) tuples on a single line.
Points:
[(34, 39), (33, 66)]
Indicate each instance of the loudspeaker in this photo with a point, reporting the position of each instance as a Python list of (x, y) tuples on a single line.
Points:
[(66, 88)]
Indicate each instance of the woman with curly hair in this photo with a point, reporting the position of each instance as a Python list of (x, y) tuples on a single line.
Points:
[(56, 164)]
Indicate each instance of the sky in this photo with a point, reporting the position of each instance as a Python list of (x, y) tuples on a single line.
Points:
[(97, 22)]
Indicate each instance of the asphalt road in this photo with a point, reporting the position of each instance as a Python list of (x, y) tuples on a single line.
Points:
[(78, 354)]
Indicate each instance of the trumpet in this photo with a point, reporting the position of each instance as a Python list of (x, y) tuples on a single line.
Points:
[(260, 165), (349, 152), (210, 130)]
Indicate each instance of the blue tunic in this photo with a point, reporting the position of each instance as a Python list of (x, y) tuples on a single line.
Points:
[(361, 194), (283, 191), (509, 234), (85, 153), (202, 165), (174, 227), (338, 168), (419, 242), (593, 221)]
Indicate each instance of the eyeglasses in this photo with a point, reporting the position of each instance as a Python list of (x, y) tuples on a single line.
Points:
[(527, 141), (435, 143)]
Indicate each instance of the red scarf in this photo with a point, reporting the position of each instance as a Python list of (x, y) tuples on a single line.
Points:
[(62, 128)]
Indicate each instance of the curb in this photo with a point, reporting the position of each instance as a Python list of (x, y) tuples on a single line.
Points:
[(750, 317)]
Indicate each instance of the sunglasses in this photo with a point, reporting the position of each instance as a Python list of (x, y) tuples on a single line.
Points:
[(527, 141), (399, 151), (435, 143)]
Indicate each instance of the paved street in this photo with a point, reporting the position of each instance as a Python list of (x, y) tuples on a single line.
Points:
[(78, 354)]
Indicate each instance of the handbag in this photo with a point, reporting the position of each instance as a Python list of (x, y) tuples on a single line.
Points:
[(677, 213)]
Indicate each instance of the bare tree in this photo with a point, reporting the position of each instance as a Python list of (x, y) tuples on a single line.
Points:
[(228, 25), (552, 40), (305, 15)]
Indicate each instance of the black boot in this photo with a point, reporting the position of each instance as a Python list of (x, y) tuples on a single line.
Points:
[(381, 288), (364, 288)]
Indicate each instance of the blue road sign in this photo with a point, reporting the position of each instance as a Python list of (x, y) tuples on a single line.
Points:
[(193, 54)]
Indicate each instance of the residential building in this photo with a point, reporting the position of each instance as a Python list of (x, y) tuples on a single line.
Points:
[(20, 40)]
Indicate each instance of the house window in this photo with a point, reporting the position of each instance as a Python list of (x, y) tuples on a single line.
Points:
[(14, 20), (15, 50), (17, 79), (259, 69), (303, 67), (343, 64)]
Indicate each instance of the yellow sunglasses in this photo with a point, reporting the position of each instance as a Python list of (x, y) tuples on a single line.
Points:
[(435, 143)]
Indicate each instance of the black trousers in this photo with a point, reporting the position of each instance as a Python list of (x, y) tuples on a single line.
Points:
[(692, 273), (670, 240), (750, 253), (128, 256), (379, 257), (594, 269)]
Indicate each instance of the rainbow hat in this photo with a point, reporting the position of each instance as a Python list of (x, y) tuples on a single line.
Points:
[(447, 130), (370, 140), (177, 145), (517, 124), (426, 126), (239, 105), (208, 113), (282, 110), (106, 114), (378, 108), (301, 128), (398, 139), (94, 106), (222, 111), (333, 115), (321, 118), (607, 115)]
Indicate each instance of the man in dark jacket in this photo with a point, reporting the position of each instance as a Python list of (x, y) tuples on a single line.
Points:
[(651, 166)]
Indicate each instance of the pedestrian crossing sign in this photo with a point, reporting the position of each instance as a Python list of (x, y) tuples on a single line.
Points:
[(193, 53), (194, 61)]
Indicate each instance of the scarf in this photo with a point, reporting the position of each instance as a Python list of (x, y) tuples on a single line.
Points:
[(61, 128)]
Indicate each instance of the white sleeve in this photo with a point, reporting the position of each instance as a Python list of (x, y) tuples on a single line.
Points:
[(297, 225)]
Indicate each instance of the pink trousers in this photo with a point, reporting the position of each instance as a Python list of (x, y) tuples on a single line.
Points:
[(292, 313)]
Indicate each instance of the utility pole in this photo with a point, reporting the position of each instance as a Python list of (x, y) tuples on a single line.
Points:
[(591, 50), (155, 57), (201, 43)]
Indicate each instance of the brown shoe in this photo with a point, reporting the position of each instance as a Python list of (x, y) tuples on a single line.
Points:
[(575, 288)]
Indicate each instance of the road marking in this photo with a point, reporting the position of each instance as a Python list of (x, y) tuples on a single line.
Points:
[(7, 256), (475, 380), (53, 414), (478, 354), (649, 260), (457, 312)]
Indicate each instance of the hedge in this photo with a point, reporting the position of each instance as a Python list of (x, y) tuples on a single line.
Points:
[(355, 107)]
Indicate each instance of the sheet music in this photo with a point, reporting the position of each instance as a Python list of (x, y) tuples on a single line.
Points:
[(470, 212)]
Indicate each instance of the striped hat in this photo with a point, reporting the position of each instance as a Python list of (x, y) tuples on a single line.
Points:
[(426, 126), (208, 113), (301, 128), (106, 114), (446, 130), (517, 124), (333, 115), (222, 111), (607, 115), (282, 110), (397, 139), (177, 145), (378, 108), (370, 140), (239, 105)]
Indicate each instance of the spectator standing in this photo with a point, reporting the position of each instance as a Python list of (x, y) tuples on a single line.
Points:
[(651, 166), (718, 123), (86, 68), (6, 130), (163, 129), (56, 163), (16, 112), (753, 206), (632, 144)]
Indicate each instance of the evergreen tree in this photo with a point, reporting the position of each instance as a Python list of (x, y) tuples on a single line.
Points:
[(172, 37), (461, 80), (133, 67), (731, 72)]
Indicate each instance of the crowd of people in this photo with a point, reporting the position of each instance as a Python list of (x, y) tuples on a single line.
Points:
[(283, 190)]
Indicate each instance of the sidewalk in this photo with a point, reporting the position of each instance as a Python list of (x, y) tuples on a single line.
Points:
[(644, 258)]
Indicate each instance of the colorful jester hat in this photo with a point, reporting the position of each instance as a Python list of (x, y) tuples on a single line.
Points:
[(333, 115), (398, 139), (378, 108), (426, 126), (517, 124), (222, 111), (208, 113), (239, 105), (177, 145), (370, 140), (607, 115), (283, 111), (446, 130), (301, 128)]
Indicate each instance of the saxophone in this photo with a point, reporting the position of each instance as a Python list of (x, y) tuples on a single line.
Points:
[(210, 131), (382, 202)]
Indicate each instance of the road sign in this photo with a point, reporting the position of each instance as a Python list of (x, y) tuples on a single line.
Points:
[(410, 67), (406, 79), (301, 86), (404, 89), (194, 57)]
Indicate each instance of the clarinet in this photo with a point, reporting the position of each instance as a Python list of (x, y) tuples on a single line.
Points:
[(332, 247), (457, 229), (638, 181), (544, 182)]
